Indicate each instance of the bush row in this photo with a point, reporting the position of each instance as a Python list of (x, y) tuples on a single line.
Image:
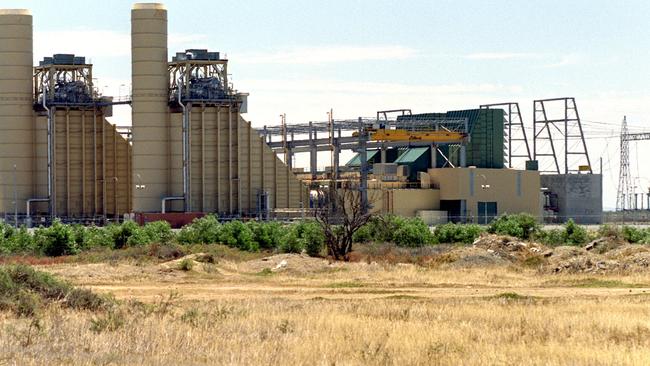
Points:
[(61, 239), (414, 233)]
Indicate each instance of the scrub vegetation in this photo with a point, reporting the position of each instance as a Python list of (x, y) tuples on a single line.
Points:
[(256, 293)]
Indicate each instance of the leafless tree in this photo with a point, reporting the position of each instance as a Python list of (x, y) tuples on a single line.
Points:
[(346, 214)]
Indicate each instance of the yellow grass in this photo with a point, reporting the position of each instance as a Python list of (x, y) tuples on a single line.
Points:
[(345, 314)]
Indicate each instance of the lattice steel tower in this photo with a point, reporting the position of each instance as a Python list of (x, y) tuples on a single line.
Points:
[(624, 185)]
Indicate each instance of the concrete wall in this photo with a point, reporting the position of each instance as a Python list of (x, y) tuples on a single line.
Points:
[(515, 191), (16, 121), (580, 196), (92, 166), (403, 202), (230, 166), (407, 202)]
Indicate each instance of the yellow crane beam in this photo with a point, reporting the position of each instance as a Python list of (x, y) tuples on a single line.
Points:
[(406, 135)]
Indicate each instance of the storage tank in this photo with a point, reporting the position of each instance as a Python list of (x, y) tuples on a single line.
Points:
[(16, 115), (150, 82)]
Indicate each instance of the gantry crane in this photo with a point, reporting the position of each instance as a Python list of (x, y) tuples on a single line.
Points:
[(439, 136)]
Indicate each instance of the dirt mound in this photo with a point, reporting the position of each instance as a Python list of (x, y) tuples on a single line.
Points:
[(604, 245), (493, 250), (471, 257), (509, 248), (198, 262), (585, 264), (626, 250), (608, 255), (296, 263)]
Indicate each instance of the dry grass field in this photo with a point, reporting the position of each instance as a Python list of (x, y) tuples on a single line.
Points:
[(295, 310)]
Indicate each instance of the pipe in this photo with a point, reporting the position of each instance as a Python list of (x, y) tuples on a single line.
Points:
[(230, 160), (49, 164), (83, 162), (171, 198), (185, 150), (95, 211), (50, 140), (218, 160), (203, 157), (67, 162), (115, 186), (29, 201)]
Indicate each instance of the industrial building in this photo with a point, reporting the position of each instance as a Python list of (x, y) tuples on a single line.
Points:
[(190, 151)]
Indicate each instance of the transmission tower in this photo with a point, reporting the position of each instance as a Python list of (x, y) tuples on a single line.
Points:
[(624, 184)]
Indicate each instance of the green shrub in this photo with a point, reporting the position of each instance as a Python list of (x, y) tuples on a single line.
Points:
[(522, 226), (457, 233), (122, 233), (313, 237), (364, 234), (575, 234), (609, 231), (413, 233), (24, 290), (306, 235), (85, 299), (207, 229), (552, 237), (138, 238), (268, 235), (633, 234), (159, 232), (236, 234), (291, 242), (14, 241), (570, 234), (187, 235), (204, 230), (384, 227), (56, 240), (94, 237)]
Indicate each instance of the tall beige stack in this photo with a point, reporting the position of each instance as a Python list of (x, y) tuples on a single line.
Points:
[(16, 116), (150, 82)]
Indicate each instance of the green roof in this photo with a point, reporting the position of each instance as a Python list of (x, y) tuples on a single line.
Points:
[(411, 155), (356, 160)]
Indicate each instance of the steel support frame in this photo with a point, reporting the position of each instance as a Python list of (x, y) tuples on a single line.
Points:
[(569, 123)]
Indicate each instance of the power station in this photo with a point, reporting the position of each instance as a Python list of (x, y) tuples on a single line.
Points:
[(190, 151)]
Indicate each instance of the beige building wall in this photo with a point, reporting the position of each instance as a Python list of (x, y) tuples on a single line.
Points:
[(403, 202), (92, 165), (16, 118), (515, 191), (150, 82), (230, 166)]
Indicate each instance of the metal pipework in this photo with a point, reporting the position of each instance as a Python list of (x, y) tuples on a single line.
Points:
[(186, 148), (172, 198), (49, 164), (29, 204)]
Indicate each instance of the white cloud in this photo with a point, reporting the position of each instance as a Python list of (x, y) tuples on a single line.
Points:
[(328, 54), (501, 56), (567, 60), (552, 61), (324, 86)]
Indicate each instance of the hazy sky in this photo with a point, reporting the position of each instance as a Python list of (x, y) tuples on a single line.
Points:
[(304, 57)]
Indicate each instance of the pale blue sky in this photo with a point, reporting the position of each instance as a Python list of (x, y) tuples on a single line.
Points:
[(304, 57)]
